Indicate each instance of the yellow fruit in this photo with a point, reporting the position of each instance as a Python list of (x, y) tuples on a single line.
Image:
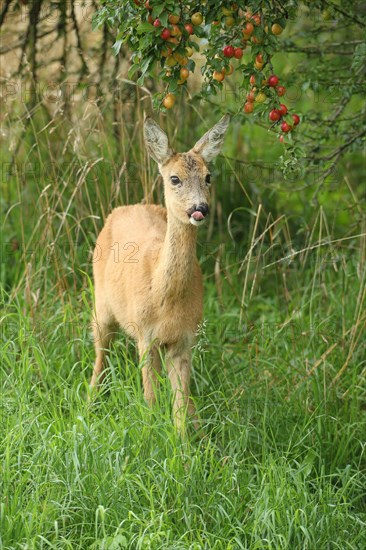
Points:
[(276, 28), (173, 19), (227, 11), (171, 61), (175, 30), (169, 101), (229, 71), (166, 52), (184, 73), (229, 21), (260, 98), (219, 76), (182, 59), (189, 51), (258, 66), (197, 18)]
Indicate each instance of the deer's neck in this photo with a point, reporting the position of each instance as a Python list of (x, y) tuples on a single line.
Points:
[(177, 258)]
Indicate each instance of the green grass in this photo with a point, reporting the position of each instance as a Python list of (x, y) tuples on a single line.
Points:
[(282, 462)]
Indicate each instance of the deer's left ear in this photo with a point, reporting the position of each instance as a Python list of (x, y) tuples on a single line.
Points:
[(209, 146)]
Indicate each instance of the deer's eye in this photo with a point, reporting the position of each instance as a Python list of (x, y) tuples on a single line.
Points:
[(175, 180), (208, 178)]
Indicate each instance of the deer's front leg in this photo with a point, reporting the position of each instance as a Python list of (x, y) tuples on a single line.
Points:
[(179, 372), (149, 356)]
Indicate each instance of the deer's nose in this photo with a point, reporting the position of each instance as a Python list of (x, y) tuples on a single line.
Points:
[(198, 212), (203, 207)]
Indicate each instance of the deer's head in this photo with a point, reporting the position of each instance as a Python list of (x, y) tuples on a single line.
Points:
[(186, 175)]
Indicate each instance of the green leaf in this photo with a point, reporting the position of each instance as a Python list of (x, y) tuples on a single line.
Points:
[(145, 27)]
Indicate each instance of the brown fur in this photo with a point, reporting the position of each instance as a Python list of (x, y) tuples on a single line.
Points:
[(146, 274)]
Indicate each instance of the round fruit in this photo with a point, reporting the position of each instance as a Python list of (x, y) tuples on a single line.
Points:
[(276, 28), (229, 21), (219, 76), (281, 138), (173, 19), (248, 107), (228, 51), (296, 119), (259, 58), (184, 73), (285, 127), (238, 53), (248, 28), (170, 61), (147, 5), (157, 23), (175, 31), (283, 109), (182, 59), (189, 28), (260, 97), (258, 66), (275, 115), (281, 90), (197, 18), (166, 52), (273, 81), (257, 19), (251, 96), (189, 51), (165, 34), (169, 101)]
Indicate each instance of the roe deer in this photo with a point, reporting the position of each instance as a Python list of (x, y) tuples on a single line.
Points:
[(157, 296)]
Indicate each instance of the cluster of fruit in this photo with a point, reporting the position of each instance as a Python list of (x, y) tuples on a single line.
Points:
[(178, 33), (276, 115)]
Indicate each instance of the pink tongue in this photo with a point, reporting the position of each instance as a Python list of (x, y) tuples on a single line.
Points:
[(197, 215)]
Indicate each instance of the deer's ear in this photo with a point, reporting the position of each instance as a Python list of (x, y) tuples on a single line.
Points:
[(209, 146), (156, 141)]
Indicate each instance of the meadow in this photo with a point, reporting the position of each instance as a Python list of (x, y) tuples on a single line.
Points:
[(278, 367)]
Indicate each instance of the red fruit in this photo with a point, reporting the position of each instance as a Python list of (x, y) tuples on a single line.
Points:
[(248, 28), (189, 28), (256, 19), (275, 115), (147, 5), (248, 107), (238, 53), (273, 81), (157, 23), (259, 58), (281, 90), (283, 109), (285, 127), (228, 51), (281, 138), (251, 96), (252, 80), (165, 34), (296, 119)]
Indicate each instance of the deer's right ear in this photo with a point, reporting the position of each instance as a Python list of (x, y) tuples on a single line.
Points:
[(156, 141)]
